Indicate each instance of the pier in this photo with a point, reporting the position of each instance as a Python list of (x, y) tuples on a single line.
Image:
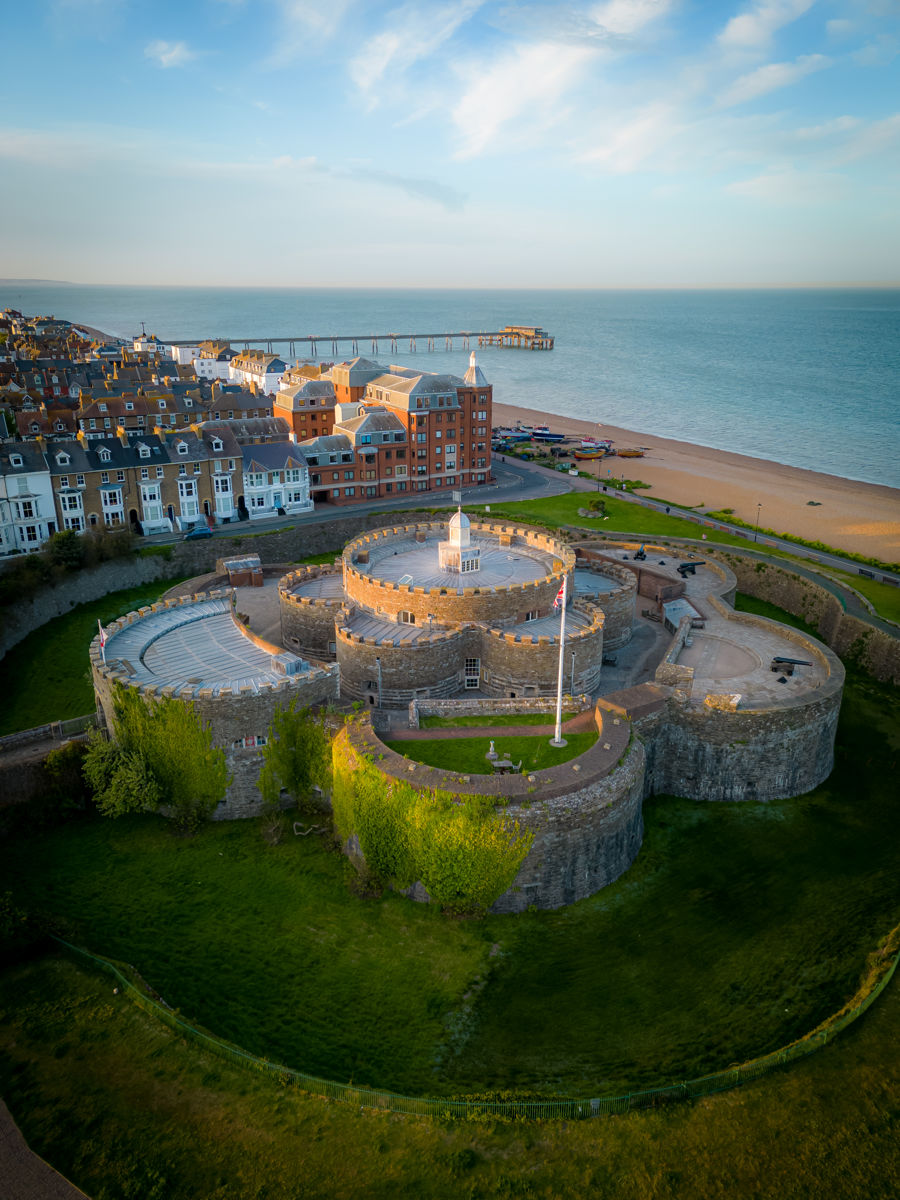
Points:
[(518, 337)]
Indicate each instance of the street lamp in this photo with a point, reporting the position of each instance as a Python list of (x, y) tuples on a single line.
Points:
[(756, 529)]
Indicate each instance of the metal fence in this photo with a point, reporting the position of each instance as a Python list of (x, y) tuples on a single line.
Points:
[(551, 1108), (55, 731)]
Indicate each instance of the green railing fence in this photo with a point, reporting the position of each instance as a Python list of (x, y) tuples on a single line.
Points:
[(881, 967)]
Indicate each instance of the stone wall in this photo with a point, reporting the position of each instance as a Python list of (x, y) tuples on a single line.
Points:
[(706, 753), (307, 622), (504, 604), (586, 815), (78, 588), (619, 605), (429, 666), (517, 664), (513, 708), (873, 651)]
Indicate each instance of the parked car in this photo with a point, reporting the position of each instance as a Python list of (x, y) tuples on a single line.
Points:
[(199, 531)]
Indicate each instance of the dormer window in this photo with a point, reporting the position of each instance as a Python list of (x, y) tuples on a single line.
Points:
[(162, 404), (182, 448), (15, 460), (102, 407), (143, 451), (218, 445), (63, 459), (35, 428), (129, 405), (104, 454)]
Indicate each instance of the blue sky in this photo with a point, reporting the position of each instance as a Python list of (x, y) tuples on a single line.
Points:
[(510, 144)]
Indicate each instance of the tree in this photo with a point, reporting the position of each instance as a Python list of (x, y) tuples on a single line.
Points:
[(160, 755), (296, 757)]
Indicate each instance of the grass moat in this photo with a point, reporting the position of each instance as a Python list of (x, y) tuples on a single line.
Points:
[(738, 928)]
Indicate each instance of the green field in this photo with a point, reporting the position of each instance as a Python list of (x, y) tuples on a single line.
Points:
[(738, 928), (47, 676), (468, 754), (621, 517)]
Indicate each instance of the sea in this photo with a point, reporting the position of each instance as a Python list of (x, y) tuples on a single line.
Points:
[(809, 377)]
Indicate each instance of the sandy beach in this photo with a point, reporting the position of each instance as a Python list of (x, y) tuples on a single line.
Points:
[(863, 518)]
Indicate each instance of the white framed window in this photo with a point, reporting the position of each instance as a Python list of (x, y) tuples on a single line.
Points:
[(473, 672), (406, 618)]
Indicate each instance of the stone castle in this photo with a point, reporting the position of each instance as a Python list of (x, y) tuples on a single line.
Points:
[(688, 696)]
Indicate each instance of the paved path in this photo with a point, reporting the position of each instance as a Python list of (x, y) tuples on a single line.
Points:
[(25, 1176)]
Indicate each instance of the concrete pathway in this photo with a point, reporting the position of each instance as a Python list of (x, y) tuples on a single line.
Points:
[(25, 1176)]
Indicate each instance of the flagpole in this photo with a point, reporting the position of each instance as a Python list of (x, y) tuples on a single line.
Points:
[(558, 739), (102, 641)]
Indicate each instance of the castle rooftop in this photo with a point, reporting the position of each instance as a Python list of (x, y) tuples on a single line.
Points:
[(501, 566), (193, 646)]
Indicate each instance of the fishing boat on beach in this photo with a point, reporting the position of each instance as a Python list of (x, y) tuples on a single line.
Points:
[(597, 452), (543, 433)]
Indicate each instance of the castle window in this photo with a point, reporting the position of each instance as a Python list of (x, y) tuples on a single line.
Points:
[(473, 672), (406, 618)]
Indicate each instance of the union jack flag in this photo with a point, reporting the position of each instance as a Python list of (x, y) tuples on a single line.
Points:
[(559, 595)]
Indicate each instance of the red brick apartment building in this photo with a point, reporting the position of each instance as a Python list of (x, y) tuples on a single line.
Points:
[(399, 430)]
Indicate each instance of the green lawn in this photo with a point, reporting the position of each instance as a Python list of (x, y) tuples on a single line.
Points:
[(621, 517), (125, 1108), (884, 598), (739, 927), (468, 754), (485, 719), (47, 676)]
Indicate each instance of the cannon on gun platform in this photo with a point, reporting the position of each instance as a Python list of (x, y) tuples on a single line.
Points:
[(690, 568), (787, 665)]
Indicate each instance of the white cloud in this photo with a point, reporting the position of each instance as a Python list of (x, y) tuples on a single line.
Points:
[(872, 139), (525, 84), (839, 28), (304, 24), (628, 16), (772, 77), (879, 53), (412, 34), (635, 141), (791, 187), (169, 54), (827, 129), (753, 30)]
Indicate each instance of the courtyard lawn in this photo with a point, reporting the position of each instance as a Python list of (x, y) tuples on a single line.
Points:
[(738, 928), (47, 677), (467, 755)]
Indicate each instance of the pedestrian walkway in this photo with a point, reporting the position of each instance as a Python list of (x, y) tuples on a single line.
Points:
[(23, 1174)]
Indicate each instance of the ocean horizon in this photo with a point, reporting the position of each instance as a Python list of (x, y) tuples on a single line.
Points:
[(809, 377)]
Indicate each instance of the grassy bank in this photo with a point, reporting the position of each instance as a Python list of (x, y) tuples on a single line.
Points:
[(46, 677), (126, 1109)]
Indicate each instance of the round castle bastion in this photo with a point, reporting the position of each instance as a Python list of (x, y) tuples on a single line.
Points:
[(194, 649)]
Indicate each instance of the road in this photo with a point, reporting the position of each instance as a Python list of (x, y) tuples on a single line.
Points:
[(527, 481)]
